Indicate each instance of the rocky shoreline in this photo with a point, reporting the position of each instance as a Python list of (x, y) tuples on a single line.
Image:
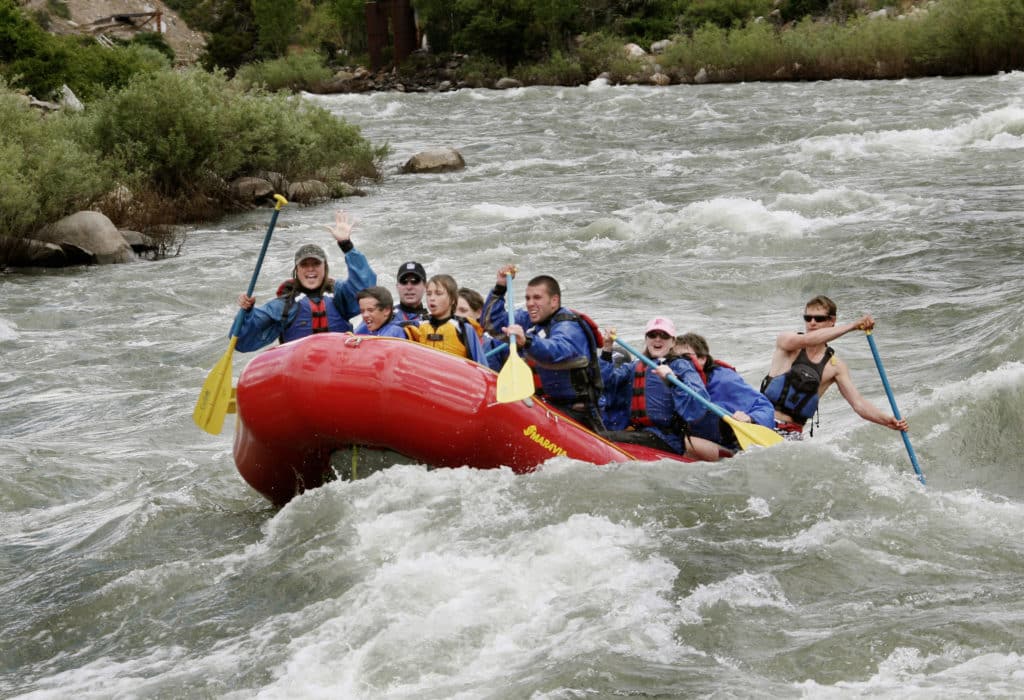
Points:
[(445, 76), (89, 237)]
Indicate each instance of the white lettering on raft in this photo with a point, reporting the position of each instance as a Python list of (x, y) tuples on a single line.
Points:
[(531, 432)]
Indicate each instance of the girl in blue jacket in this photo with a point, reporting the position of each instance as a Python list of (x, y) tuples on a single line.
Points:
[(311, 302)]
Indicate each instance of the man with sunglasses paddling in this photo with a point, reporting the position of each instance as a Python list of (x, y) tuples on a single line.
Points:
[(804, 367)]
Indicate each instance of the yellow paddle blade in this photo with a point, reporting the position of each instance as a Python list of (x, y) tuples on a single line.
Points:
[(515, 380), (753, 434), (212, 405)]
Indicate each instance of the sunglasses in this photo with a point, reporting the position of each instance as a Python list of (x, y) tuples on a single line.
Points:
[(820, 318), (658, 334), (410, 280)]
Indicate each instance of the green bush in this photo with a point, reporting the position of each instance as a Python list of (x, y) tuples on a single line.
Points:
[(154, 40), (792, 10), (480, 71), (19, 36), (40, 63), (722, 13), (45, 173), (600, 53), (557, 70), (58, 8), (185, 131), (299, 71), (275, 24), (92, 69), (957, 37)]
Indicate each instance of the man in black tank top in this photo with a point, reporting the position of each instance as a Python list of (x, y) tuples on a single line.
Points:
[(812, 349)]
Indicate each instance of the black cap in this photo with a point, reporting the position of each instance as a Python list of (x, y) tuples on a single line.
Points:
[(412, 268)]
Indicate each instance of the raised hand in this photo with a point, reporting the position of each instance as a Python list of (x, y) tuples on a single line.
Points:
[(343, 225)]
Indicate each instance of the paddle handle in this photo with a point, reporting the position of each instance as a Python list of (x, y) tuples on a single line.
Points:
[(510, 308), (717, 410), (240, 316), (892, 404)]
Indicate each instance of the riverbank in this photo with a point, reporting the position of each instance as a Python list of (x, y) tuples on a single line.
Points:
[(948, 38)]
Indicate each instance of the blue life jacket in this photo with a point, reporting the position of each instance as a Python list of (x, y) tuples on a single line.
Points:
[(305, 322), (652, 405), (795, 392), (410, 317), (391, 329), (730, 392), (566, 376)]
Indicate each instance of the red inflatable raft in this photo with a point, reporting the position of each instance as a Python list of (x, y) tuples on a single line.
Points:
[(364, 398)]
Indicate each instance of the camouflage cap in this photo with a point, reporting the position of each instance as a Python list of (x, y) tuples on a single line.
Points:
[(310, 250)]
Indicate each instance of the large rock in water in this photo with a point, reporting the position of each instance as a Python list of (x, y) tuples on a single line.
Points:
[(26, 252), (93, 234), (435, 160)]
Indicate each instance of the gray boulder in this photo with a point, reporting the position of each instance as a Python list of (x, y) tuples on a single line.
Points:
[(308, 191), (251, 189), (91, 233), (435, 160), (142, 245), (25, 252)]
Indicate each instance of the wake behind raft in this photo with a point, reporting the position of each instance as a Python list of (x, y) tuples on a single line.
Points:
[(371, 402)]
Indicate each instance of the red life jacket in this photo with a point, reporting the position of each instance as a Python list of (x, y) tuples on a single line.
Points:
[(700, 368), (319, 311), (638, 406), (598, 338)]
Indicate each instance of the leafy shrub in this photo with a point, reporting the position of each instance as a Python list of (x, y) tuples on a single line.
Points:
[(154, 40), (557, 70), (958, 37), (722, 13), (186, 131), (798, 9), (602, 52), (92, 69), (45, 173), (58, 8), (19, 36), (40, 63), (275, 23), (480, 71), (295, 72)]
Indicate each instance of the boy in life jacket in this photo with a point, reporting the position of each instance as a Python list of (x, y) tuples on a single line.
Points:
[(727, 389), (559, 344), (804, 367), (661, 414), (443, 330), (376, 308), (309, 303)]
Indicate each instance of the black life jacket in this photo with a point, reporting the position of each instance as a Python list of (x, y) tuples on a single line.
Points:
[(586, 381), (795, 393)]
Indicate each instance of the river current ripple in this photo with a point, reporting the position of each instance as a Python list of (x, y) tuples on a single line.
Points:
[(134, 562)]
